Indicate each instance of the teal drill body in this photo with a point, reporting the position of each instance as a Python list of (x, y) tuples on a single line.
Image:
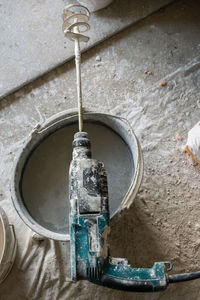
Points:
[(89, 227)]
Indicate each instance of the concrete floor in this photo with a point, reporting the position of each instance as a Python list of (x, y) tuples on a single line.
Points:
[(163, 222)]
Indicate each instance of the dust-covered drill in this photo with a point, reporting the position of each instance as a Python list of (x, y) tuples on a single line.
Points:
[(89, 207), (89, 227)]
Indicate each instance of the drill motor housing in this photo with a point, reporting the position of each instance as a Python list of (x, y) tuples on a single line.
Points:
[(89, 227)]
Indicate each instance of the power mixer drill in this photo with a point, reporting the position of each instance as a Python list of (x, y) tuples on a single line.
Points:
[(89, 205)]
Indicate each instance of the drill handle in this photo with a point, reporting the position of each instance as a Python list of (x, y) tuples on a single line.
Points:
[(122, 277)]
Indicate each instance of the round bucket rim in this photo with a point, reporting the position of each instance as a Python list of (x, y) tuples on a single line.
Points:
[(45, 129), (8, 254)]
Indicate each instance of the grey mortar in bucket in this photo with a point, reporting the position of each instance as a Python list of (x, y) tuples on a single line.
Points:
[(40, 183)]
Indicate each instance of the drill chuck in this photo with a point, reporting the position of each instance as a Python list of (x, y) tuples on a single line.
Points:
[(81, 146)]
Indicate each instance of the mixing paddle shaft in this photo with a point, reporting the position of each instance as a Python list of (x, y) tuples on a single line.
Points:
[(74, 25)]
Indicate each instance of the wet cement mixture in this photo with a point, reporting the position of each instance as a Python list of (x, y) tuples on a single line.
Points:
[(163, 222)]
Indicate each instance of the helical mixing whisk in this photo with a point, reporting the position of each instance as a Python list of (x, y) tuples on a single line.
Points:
[(75, 18)]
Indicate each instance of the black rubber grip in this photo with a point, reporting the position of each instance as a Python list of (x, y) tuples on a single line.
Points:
[(132, 286)]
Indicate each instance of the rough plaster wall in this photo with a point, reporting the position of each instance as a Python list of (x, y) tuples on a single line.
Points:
[(163, 222)]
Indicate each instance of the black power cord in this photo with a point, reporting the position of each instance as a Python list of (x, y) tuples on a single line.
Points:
[(183, 277)]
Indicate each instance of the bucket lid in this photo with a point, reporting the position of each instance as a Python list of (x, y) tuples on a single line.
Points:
[(8, 245)]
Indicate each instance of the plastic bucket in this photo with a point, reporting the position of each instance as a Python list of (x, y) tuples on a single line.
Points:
[(40, 183), (8, 245)]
